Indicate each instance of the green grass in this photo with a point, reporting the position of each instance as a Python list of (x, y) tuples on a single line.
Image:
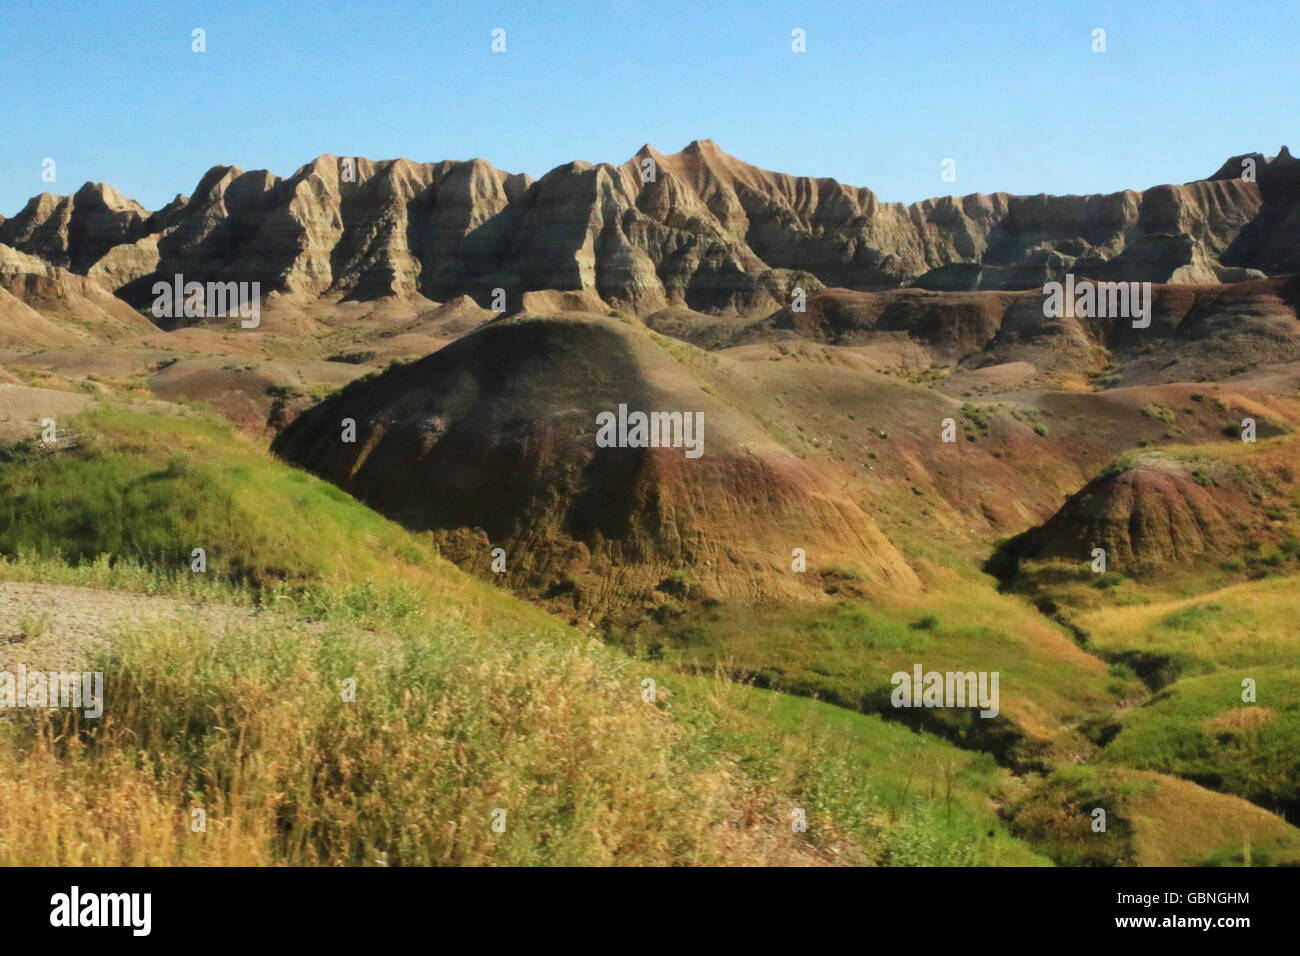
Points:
[(467, 700), (1150, 820), (1202, 730), (1058, 817), (1248, 623), (1162, 412), (150, 489), (846, 654), (1201, 618), (470, 700), (902, 798)]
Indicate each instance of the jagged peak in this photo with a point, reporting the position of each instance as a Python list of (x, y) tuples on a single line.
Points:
[(479, 167), (702, 146), (647, 150), (218, 177), (577, 166), (108, 195), (1232, 168), (402, 164), (43, 203), (325, 163), (715, 197)]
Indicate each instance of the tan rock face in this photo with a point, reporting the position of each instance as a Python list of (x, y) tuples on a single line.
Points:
[(58, 293), (75, 231), (697, 229), (1212, 327), (125, 263), (21, 326)]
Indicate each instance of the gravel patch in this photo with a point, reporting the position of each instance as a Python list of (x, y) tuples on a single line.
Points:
[(56, 626)]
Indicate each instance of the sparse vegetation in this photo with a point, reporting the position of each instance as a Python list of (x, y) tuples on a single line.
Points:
[(1162, 412)]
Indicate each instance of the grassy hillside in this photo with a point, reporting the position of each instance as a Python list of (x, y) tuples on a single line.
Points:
[(1050, 690), (904, 798), (468, 701), (1247, 623), (1150, 820), (152, 487), (1193, 625), (1202, 730)]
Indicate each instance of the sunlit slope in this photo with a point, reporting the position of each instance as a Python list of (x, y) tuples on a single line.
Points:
[(1150, 819), (468, 701), (492, 442)]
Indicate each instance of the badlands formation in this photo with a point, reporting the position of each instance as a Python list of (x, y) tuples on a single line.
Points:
[(484, 319), (910, 455)]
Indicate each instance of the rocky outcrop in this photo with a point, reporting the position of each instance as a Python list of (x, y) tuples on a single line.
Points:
[(1212, 327), (123, 264), (75, 231), (73, 300), (697, 229)]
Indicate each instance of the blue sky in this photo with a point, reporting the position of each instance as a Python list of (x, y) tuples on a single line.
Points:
[(1012, 91)]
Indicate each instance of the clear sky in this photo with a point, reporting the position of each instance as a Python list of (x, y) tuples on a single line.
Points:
[(885, 92)]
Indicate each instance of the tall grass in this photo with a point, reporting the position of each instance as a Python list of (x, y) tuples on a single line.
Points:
[(251, 727), (467, 701), (874, 792)]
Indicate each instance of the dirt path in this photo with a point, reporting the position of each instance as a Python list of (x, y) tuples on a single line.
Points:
[(54, 626)]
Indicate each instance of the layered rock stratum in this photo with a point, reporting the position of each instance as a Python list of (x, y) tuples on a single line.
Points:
[(706, 232), (497, 433)]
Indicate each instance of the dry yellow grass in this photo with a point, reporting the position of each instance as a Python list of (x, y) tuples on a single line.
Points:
[(1180, 824), (250, 727), (1251, 622), (1152, 819), (1242, 720)]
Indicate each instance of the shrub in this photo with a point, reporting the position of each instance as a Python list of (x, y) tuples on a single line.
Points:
[(676, 583)]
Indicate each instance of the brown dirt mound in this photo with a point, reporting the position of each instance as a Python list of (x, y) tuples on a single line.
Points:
[(550, 301), (1156, 512), (22, 409), (491, 442)]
